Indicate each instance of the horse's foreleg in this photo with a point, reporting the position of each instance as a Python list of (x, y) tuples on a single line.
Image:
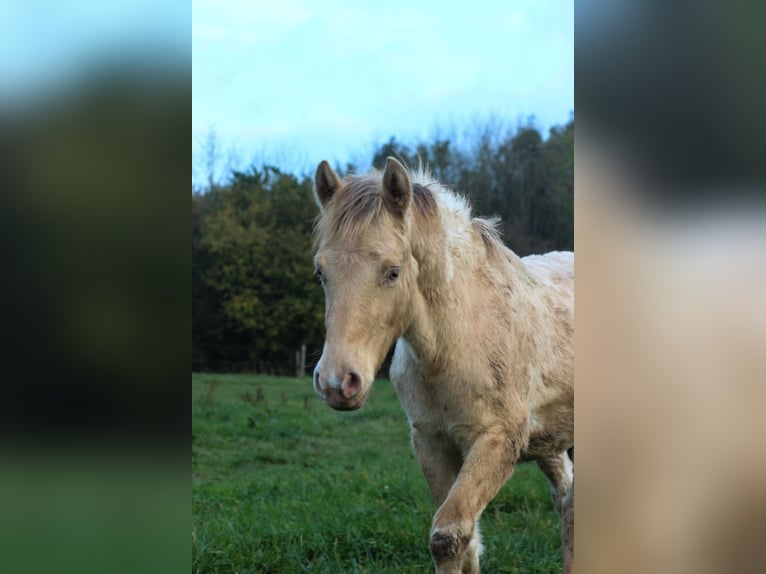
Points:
[(454, 536), (439, 461)]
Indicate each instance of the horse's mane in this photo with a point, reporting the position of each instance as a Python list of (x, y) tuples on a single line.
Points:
[(439, 211), (359, 203)]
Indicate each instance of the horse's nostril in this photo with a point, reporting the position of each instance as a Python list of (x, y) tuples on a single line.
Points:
[(318, 386), (352, 384)]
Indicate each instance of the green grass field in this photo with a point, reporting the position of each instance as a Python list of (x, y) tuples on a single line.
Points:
[(282, 483)]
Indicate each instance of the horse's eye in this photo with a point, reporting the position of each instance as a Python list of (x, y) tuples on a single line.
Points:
[(392, 274), (319, 274)]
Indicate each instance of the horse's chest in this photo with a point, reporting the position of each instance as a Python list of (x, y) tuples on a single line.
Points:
[(421, 404), (434, 404), (416, 389)]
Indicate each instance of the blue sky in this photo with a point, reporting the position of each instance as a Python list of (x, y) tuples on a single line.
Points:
[(297, 81)]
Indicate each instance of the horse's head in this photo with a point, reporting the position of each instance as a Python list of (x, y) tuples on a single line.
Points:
[(364, 261)]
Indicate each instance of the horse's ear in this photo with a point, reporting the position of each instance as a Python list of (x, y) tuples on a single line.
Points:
[(397, 188), (326, 183)]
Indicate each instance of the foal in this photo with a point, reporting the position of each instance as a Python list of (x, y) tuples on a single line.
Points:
[(484, 362)]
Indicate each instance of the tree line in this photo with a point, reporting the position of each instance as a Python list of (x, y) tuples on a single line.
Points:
[(255, 299)]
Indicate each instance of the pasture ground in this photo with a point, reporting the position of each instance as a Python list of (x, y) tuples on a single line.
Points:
[(283, 484)]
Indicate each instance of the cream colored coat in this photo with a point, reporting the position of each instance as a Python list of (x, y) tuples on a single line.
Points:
[(484, 363)]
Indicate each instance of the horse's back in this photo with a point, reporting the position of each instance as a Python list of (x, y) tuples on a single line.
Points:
[(554, 266)]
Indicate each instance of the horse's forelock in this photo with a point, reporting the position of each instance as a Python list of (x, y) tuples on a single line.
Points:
[(359, 203), (352, 210)]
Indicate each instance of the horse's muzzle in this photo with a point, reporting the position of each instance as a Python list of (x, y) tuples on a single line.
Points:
[(336, 400), (343, 392)]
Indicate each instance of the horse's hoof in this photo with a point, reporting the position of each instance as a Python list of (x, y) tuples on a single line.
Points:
[(446, 546)]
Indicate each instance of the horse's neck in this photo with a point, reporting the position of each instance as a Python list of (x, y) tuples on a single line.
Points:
[(437, 319), (448, 286)]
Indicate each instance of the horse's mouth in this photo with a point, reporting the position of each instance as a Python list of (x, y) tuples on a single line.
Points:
[(339, 403)]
